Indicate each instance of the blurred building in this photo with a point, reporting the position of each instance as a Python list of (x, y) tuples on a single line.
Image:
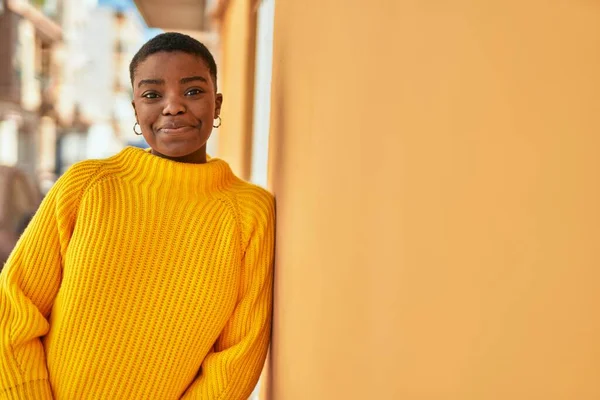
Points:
[(100, 39), (28, 87), (65, 92)]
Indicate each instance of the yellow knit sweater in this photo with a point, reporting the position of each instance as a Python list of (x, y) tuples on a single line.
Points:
[(140, 278)]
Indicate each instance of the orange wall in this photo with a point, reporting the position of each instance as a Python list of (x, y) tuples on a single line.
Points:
[(237, 74), (437, 175)]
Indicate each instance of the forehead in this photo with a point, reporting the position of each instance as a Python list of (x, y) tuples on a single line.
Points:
[(171, 65)]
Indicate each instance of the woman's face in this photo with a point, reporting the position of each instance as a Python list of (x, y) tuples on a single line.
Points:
[(175, 104)]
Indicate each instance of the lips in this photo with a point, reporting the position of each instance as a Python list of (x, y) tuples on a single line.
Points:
[(174, 127)]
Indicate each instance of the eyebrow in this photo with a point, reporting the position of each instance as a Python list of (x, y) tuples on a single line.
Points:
[(151, 82), (181, 81), (192, 79)]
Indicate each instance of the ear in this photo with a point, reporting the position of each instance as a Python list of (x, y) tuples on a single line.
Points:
[(134, 110), (218, 104)]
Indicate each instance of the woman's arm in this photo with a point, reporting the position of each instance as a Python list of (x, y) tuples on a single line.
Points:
[(29, 283), (232, 369)]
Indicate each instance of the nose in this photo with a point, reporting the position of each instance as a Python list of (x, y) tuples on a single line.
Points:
[(174, 106)]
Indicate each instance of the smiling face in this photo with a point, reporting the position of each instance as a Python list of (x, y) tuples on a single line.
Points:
[(175, 103)]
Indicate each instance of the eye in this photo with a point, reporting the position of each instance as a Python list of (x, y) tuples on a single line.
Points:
[(193, 92), (150, 95)]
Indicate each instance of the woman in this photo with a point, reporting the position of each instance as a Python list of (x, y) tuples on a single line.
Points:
[(147, 275)]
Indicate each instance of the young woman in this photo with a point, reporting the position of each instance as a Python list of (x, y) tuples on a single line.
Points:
[(147, 275)]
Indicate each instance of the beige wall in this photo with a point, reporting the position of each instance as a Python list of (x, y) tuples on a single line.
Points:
[(238, 25), (436, 168)]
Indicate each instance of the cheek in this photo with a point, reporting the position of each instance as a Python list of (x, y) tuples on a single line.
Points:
[(147, 114), (204, 114)]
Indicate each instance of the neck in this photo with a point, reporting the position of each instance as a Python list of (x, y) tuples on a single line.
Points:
[(197, 157), (160, 173)]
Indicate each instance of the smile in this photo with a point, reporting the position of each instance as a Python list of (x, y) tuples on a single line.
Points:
[(175, 130)]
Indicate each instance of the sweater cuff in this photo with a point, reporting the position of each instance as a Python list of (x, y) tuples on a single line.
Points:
[(33, 390)]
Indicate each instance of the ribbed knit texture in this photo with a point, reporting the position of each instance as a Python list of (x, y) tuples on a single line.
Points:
[(140, 278)]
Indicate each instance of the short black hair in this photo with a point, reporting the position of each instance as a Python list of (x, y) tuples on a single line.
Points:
[(172, 42)]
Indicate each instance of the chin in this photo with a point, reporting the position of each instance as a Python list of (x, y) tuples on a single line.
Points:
[(176, 150)]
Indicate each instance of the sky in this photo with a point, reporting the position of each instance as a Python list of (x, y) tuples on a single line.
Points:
[(127, 5), (122, 4)]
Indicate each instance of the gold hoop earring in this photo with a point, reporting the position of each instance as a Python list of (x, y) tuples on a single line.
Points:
[(220, 122), (136, 132)]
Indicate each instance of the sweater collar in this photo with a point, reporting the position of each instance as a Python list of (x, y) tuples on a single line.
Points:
[(174, 176)]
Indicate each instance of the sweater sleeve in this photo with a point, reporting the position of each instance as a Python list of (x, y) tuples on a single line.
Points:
[(232, 369), (29, 283)]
